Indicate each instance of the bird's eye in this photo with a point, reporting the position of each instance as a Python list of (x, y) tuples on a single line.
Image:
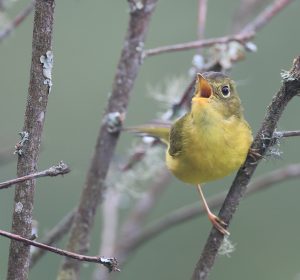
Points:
[(225, 91)]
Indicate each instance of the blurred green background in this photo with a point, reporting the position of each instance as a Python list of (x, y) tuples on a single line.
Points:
[(88, 37)]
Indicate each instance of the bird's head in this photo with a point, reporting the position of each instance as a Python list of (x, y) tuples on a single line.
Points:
[(216, 91)]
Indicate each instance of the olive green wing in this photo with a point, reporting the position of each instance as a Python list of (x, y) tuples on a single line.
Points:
[(176, 137)]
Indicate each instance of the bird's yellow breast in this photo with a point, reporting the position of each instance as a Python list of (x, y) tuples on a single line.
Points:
[(212, 148)]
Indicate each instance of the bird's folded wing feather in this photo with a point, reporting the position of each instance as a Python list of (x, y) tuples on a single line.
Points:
[(176, 138)]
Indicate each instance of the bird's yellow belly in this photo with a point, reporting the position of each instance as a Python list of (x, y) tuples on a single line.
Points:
[(214, 154), (195, 170)]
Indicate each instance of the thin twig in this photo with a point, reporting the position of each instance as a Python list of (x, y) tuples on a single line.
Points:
[(291, 133), (28, 151), (262, 141), (53, 236), (10, 27), (59, 169), (94, 187), (189, 212), (240, 37), (110, 263)]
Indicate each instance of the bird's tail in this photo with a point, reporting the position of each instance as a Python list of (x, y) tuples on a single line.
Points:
[(159, 130)]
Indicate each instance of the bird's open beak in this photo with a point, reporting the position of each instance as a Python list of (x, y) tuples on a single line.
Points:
[(203, 89)]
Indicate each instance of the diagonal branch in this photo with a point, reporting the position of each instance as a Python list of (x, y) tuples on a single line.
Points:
[(94, 188), (290, 88), (55, 170), (110, 263)]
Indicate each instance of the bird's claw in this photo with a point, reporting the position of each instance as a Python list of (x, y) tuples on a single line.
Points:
[(255, 155), (218, 224)]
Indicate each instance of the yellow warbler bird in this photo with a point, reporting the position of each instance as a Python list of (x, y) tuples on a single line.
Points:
[(210, 141)]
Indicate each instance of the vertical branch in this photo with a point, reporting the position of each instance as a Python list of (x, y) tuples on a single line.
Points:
[(18, 263), (127, 70)]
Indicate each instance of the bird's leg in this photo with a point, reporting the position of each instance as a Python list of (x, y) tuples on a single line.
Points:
[(216, 221)]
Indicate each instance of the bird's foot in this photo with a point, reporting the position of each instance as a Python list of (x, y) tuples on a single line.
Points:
[(218, 224), (255, 155)]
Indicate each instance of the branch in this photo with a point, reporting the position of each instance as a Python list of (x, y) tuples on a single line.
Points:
[(94, 187), (39, 87), (189, 212), (246, 34), (55, 170), (241, 37), (10, 27), (110, 263), (280, 134), (290, 88), (53, 236)]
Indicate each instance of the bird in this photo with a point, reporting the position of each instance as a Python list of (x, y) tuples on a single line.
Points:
[(210, 141)]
